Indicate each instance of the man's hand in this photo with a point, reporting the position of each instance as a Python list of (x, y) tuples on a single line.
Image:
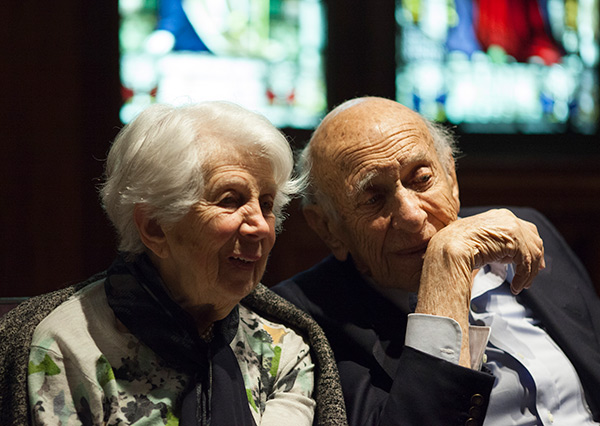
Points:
[(494, 236), (459, 249)]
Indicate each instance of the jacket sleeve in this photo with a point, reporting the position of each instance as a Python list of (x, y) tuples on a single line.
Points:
[(427, 390), (424, 390)]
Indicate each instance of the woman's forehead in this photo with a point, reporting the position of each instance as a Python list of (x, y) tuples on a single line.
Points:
[(222, 161)]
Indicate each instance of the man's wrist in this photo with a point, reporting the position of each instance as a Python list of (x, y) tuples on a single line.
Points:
[(435, 335), (442, 336)]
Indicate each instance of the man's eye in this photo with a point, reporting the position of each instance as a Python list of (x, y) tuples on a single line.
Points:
[(373, 200), (422, 181)]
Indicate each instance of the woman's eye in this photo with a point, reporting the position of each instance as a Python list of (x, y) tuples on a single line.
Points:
[(229, 201), (266, 206)]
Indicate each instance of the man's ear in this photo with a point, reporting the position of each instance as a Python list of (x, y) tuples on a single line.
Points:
[(454, 181), (151, 233), (326, 230)]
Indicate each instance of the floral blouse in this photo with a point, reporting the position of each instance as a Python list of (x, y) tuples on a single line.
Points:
[(83, 370)]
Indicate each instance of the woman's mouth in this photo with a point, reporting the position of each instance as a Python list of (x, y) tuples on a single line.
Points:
[(243, 262)]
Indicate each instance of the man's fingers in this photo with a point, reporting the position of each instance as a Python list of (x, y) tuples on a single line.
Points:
[(530, 262), (523, 278), (495, 236)]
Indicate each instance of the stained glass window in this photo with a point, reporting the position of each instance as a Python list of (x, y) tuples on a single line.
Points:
[(503, 66), (266, 55)]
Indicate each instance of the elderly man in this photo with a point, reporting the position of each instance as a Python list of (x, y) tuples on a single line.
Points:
[(420, 305)]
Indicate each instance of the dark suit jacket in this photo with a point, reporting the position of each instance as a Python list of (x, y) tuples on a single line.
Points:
[(388, 384)]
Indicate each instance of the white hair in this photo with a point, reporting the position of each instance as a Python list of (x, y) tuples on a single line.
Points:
[(444, 143), (159, 158)]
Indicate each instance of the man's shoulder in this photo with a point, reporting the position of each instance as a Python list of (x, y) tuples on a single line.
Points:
[(328, 268), (314, 289), (324, 276)]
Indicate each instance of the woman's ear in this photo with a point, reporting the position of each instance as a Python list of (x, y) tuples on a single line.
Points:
[(151, 232), (326, 230)]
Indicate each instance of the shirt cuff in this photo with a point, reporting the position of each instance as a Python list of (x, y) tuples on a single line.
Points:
[(479, 335), (441, 337)]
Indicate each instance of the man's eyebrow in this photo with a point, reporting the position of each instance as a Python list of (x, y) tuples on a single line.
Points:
[(365, 181)]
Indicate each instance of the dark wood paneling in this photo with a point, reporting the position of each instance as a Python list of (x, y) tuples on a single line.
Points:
[(58, 115)]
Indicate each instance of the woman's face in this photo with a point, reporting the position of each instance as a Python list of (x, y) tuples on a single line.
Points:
[(218, 252)]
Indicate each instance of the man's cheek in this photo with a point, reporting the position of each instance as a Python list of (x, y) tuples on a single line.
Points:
[(444, 210)]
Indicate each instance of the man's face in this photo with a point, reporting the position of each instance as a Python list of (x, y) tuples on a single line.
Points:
[(389, 188)]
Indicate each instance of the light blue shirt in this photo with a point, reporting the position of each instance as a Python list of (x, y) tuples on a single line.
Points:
[(536, 384)]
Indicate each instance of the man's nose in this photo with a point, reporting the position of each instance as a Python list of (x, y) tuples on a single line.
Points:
[(407, 213)]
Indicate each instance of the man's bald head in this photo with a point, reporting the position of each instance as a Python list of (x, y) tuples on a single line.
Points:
[(362, 121)]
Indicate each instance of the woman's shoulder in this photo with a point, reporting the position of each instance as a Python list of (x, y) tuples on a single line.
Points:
[(83, 321), (69, 316), (253, 321), (258, 330)]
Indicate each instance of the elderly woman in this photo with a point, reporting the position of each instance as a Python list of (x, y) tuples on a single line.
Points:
[(196, 194)]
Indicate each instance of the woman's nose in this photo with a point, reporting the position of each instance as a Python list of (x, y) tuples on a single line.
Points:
[(255, 223)]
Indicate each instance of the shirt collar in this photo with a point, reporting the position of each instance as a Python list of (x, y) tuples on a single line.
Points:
[(490, 277)]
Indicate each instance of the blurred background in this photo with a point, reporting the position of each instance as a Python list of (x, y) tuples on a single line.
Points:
[(516, 79)]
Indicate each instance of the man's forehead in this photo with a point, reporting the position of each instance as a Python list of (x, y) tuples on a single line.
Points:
[(371, 173), (351, 150), (359, 131), (364, 121)]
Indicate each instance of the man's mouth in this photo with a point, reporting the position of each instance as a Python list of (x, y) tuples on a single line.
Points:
[(420, 249)]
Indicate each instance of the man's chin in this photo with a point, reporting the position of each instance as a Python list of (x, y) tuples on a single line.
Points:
[(407, 281), (406, 277), (409, 284)]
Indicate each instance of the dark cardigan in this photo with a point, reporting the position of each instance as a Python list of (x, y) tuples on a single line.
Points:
[(18, 325)]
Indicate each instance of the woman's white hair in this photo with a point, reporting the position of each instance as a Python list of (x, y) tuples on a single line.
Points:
[(159, 160)]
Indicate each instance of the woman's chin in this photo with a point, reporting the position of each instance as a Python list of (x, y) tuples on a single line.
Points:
[(238, 289)]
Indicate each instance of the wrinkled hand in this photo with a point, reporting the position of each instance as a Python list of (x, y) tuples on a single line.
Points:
[(455, 252), (495, 236)]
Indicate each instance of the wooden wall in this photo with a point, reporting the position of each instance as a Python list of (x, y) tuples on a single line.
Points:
[(59, 111), (59, 100)]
